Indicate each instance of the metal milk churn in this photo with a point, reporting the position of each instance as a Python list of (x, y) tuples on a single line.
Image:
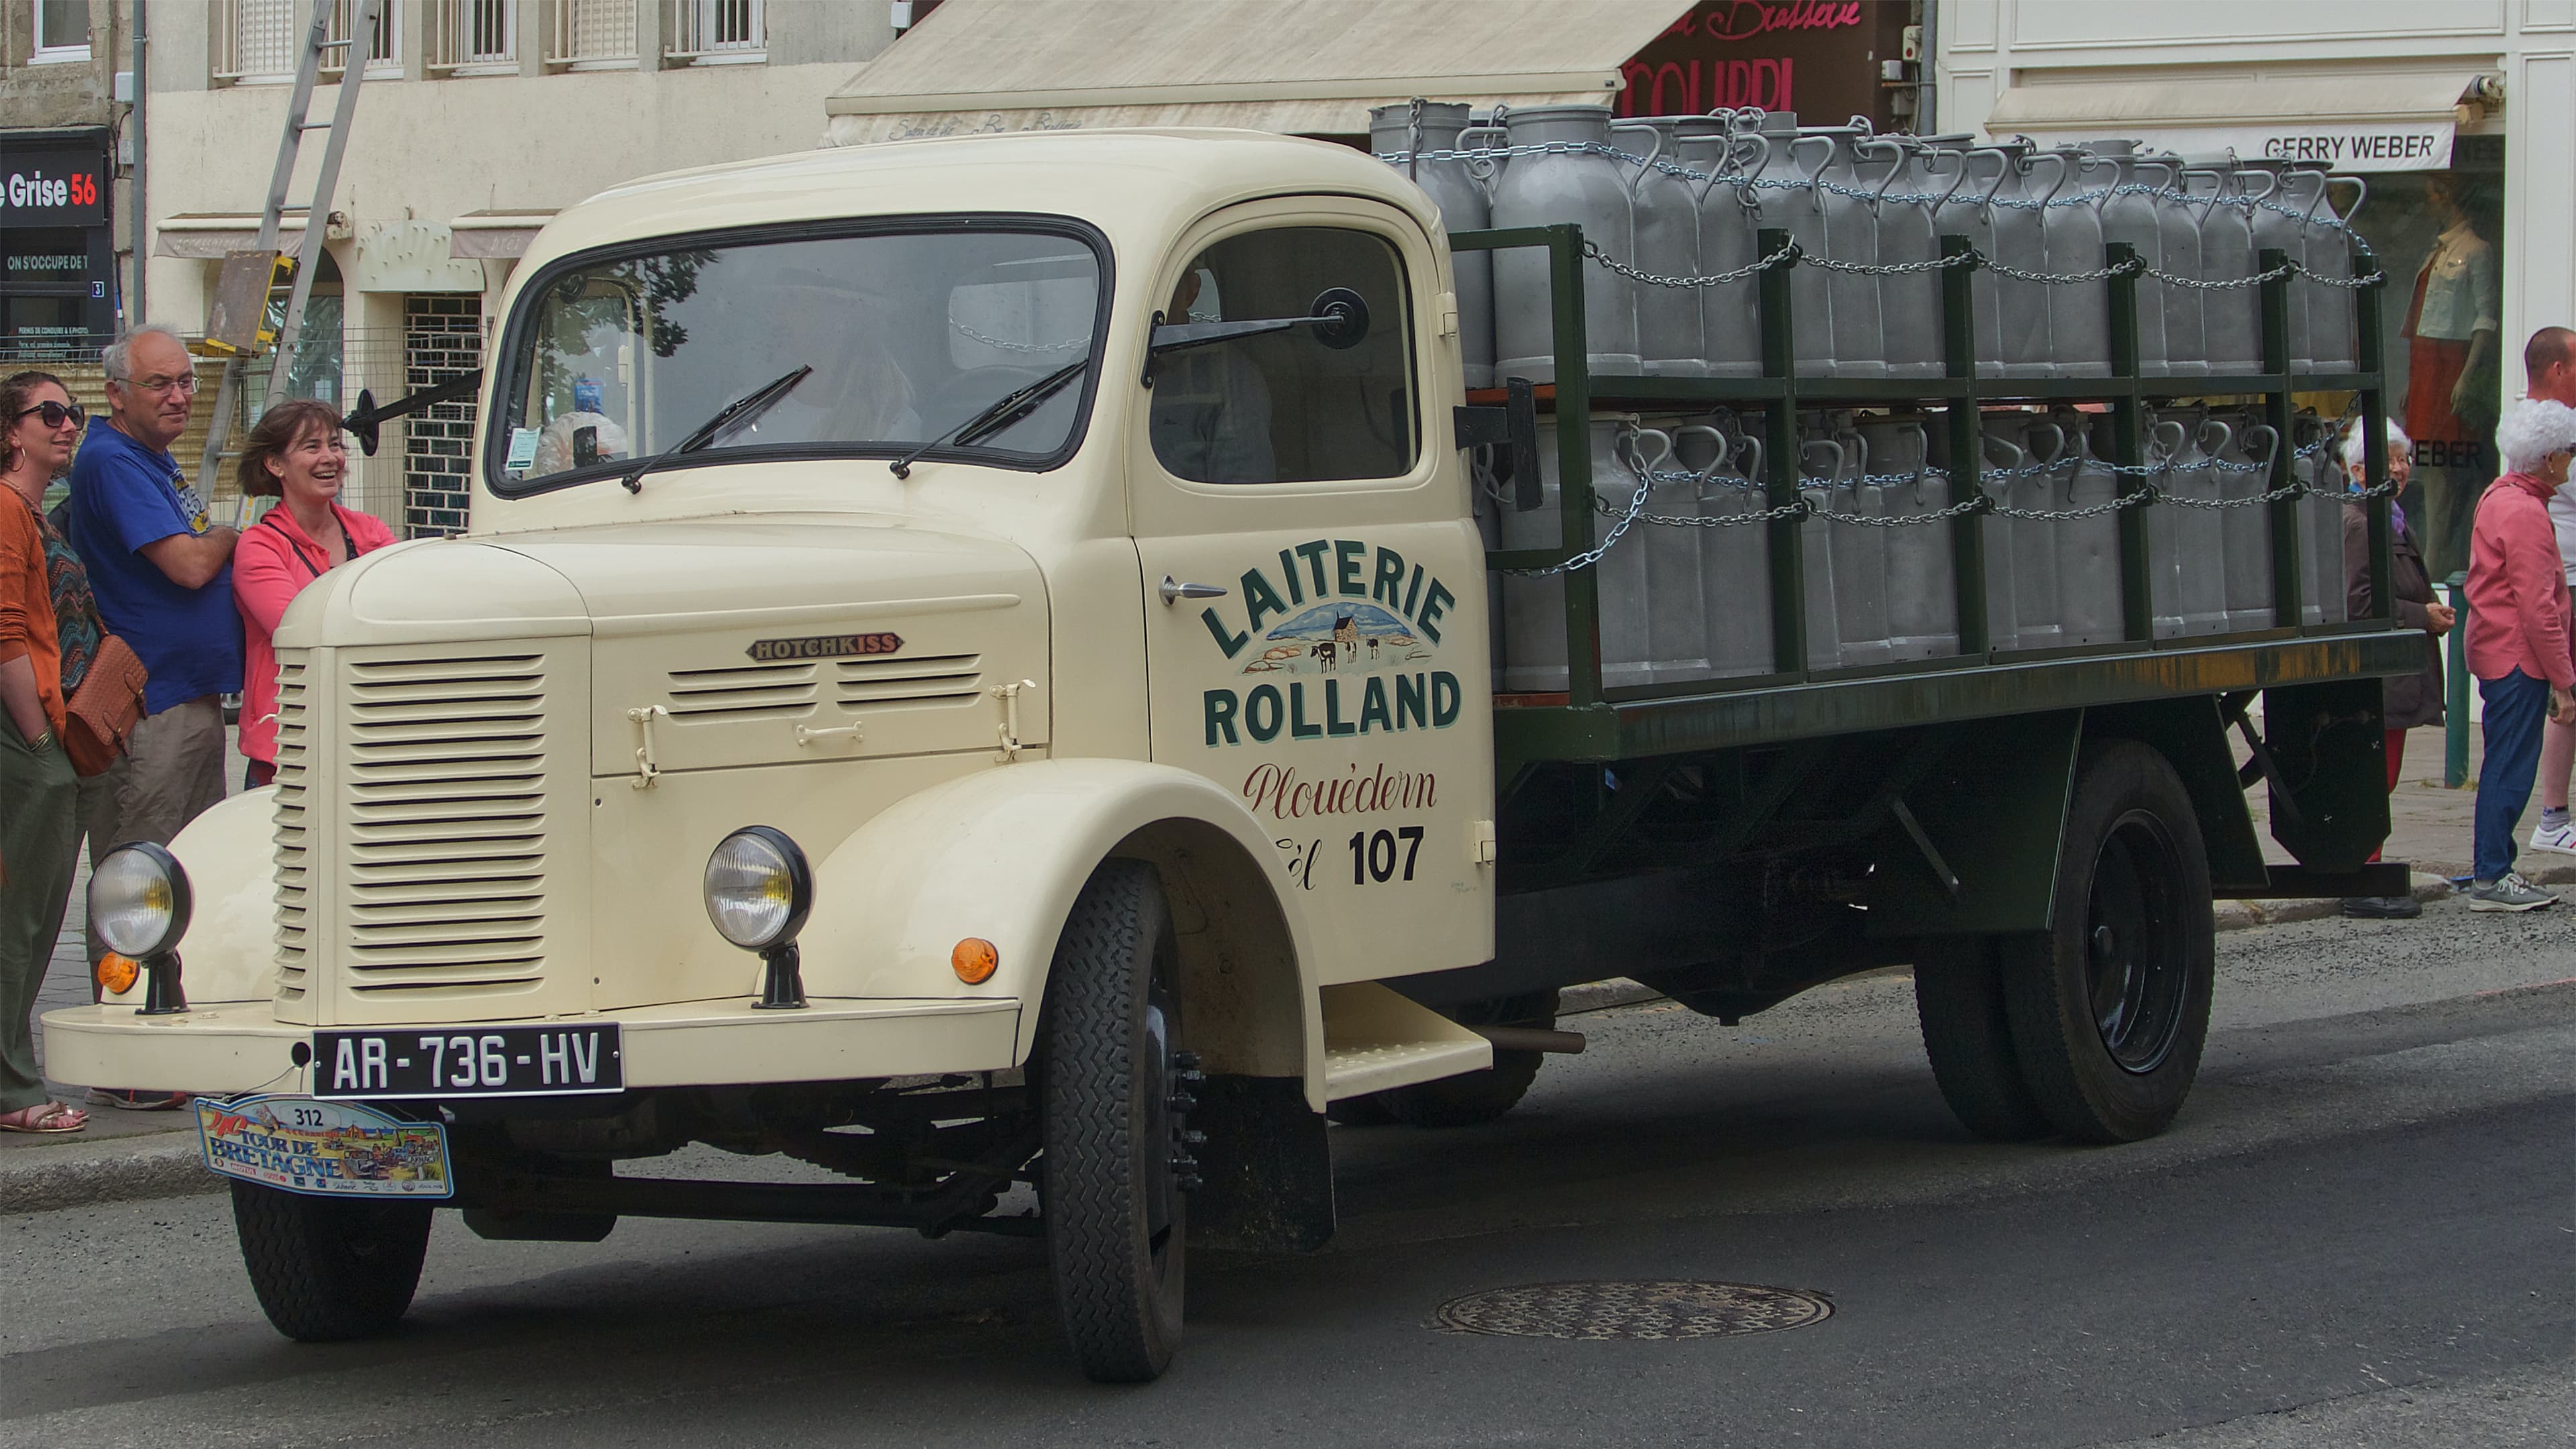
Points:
[(2188, 543), (2332, 328), (1820, 463), (1730, 313), (2231, 317), (1670, 540), (1830, 157), (1784, 196), (1534, 605), (2127, 216), (1577, 184), (1860, 554), (2321, 516), (2001, 631), (1669, 333), (2079, 313), (2088, 547), (1922, 590), (2245, 473), (2278, 221), (1735, 557), (2178, 232), (2032, 542), (1651, 630), (1460, 195), (2011, 234), (1906, 202)]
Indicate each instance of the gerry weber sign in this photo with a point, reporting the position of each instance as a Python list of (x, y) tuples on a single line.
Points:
[(2341, 147)]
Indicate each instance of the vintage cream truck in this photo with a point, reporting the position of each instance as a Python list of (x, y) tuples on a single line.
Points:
[(971, 667)]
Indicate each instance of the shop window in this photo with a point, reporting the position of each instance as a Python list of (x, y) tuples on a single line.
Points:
[(1284, 407), (2439, 236), (62, 30)]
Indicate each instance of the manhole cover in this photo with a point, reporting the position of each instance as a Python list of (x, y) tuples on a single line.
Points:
[(1603, 1311)]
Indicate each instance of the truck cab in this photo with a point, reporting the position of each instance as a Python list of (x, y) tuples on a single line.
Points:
[(995, 617)]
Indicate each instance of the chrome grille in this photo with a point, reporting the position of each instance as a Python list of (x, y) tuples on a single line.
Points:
[(446, 846), (929, 679), (294, 828)]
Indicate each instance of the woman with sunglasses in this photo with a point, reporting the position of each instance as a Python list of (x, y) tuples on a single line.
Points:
[(38, 826)]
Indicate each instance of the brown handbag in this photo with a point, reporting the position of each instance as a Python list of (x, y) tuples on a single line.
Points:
[(99, 718)]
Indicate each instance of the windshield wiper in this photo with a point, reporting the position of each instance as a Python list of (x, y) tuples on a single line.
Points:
[(1002, 413), (732, 415)]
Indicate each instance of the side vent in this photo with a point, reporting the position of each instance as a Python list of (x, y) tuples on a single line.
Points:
[(784, 690), (294, 826), (936, 679)]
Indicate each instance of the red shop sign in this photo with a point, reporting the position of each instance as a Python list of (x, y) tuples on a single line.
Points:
[(1816, 57)]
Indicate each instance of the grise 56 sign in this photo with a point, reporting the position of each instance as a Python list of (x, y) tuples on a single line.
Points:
[(51, 187)]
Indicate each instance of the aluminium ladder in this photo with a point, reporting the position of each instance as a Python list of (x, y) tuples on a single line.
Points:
[(362, 16)]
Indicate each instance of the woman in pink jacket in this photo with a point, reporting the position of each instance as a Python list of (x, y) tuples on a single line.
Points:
[(296, 456), (2519, 638)]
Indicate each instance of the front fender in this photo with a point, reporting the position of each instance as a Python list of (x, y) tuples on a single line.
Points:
[(230, 855), (1001, 855)]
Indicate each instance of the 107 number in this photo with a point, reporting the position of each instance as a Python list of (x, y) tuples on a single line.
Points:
[(1373, 854)]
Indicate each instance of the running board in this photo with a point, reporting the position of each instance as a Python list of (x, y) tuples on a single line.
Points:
[(1375, 1039)]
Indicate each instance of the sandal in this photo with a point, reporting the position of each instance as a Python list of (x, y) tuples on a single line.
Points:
[(44, 1119)]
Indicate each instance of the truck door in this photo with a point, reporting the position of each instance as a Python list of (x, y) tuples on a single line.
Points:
[(1339, 683)]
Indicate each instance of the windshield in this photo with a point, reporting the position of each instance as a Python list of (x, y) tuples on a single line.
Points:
[(908, 334)]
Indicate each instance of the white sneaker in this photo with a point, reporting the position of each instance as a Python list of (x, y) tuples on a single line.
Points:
[(2559, 838)]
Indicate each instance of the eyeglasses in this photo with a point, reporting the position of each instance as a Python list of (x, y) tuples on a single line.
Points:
[(184, 382), (54, 414)]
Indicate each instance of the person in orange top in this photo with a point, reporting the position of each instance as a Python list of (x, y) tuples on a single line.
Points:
[(39, 795), (295, 455)]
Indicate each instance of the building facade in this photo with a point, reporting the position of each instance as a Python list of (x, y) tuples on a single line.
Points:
[(2457, 118), (476, 121)]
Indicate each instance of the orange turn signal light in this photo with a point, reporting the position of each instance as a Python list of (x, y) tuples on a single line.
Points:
[(116, 973), (974, 960)]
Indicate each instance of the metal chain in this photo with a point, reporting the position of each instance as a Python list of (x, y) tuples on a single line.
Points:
[(1593, 555), (2139, 499), (1891, 269), (2130, 268), (2287, 490), (1592, 249), (2256, 280)]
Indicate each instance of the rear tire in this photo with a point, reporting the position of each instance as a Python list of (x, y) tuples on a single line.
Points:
[(1959, 999), (1478, 1097), (2110, 1007), (1116, 1216), (328, 1270)]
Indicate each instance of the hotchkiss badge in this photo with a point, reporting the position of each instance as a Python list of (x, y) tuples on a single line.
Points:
[(824, 646)]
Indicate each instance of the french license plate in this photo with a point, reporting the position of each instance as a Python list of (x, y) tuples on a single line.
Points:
[(499, 1061), (326, 1149)]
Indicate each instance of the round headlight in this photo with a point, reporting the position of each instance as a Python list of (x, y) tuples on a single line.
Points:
[(139, 900), (758, 888)]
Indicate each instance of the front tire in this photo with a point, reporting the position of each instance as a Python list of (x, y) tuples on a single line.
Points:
[(1111, 1047), (2110, 1007), (328, 1270)]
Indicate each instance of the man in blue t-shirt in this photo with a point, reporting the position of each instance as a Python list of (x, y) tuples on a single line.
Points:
[(162, 573)]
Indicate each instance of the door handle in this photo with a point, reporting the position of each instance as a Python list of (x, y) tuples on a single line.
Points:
[(1174, 591)]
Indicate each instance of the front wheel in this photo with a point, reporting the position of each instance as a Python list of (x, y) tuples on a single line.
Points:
[(1114, 1143), (327, 1270), (2110, 1006)]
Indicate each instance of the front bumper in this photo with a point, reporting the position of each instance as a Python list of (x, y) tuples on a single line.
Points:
[(241, 1046)]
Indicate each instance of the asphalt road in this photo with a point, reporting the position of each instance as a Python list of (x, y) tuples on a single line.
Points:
[(2359, 1233)]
